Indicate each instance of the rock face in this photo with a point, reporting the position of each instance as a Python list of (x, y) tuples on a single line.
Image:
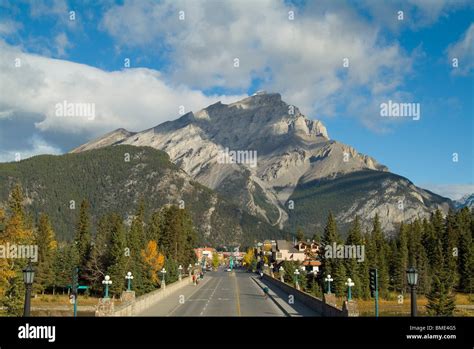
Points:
[(260, 151), (466, 201)]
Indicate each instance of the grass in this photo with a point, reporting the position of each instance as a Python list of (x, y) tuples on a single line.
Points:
[(392, 308)]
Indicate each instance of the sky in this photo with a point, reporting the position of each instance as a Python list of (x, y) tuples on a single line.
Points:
[(139, 62)]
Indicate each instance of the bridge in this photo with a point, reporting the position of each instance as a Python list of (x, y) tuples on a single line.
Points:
[(222, 293)]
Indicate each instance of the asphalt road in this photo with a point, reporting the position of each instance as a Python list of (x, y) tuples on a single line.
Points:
[(221, 293)]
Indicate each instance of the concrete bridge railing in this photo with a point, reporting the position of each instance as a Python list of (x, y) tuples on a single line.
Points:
[(319, 305), (144, 301)]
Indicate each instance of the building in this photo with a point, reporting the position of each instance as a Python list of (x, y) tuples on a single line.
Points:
[(286, 251), (206, 252)]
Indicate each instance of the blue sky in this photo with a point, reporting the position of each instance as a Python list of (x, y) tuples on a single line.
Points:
[(189, 62)]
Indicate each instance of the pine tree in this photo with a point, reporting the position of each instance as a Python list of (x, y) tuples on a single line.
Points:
[(45, 239), (466, 251), (380, 257), (116, 257), (153, 230), (440, 298), (67, 259), (401, 260), (98, 261), (299, 234), (354, 268), (340, 277), (136, 243), (82, 239), (418, 257), (330, 236), (450, 244)]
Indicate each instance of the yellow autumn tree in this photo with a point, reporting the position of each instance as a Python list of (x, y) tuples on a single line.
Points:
[(6, 272), (15, 229), (249, 256), (153, 259)]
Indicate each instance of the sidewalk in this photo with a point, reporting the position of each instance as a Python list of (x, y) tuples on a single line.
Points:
[(281, 299)]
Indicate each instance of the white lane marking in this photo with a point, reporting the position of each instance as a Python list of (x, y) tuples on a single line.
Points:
[(210, 297)]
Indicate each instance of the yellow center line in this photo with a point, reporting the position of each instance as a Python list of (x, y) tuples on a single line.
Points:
[(237, 298)]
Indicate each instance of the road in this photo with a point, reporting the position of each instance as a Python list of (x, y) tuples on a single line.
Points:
[(224, 293)]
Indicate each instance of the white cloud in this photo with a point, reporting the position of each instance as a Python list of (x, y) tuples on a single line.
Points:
[(61, 43), (302, 59), (463, 50), (33, 146), (452, 191), (8, 27), (133, 98)]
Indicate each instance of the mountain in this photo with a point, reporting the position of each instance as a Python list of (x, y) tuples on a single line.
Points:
[(466, 201), (111, 183), (260, 153)]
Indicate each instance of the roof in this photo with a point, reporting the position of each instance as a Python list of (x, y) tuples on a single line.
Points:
[(286, 245)]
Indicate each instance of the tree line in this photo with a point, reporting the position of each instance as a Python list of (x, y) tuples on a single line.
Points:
[(142, 244), (440, 248)]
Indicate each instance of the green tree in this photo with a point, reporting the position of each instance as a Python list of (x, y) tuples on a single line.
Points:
[(440, 298), (82, 238), (380, 257), (215, 260), (117, 268), (354, 268), (330, 236), (401, 260), (46, 242), (299, 234), (466, 251)]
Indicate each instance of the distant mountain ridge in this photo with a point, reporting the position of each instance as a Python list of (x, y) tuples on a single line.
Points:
[(466, 201), (294, 155), (115, 179)]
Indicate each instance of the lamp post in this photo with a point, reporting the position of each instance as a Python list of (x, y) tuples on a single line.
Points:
[(129, 278), (107, 282), (297, 272), (163, 283), (282, 274), (329, 279), (180, 269), (349, 284), (412, 278), (28, 277)]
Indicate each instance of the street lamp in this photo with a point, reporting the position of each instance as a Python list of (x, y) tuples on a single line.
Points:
[(28, 277), (297, 272), (163, 283), (107, 282), (349, 284), (180, 269), (329, 279), (412, 278), (282, 273), (129, 278)]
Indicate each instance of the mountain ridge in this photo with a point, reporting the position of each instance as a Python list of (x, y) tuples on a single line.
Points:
[(292, 149)]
